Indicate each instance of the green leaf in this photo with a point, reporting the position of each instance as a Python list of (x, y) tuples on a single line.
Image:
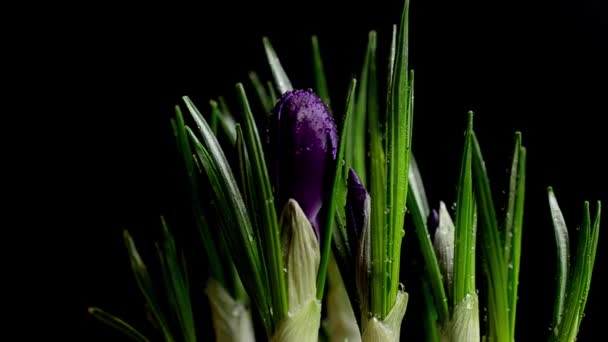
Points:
[(389, 86), (118, 324), (509, 217), (225, 119), (399, 134), (464, 248), (320, 81), (337, 183), (249, 190), (260, 90), (278, 73), (580, 282), (515, 214), (377, 179), (357, 148), (390, 74), (264, 206), (236, 226), (492, 249), (431, 328), (576, 282), (145, 286), (562, 242), (272, 92), (418, 205), (215, 264), (344, 259), (176, 284), (592, 250)]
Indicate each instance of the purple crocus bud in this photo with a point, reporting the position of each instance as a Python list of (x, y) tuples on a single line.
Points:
[(357, 210), (304, 141), (433, 220)]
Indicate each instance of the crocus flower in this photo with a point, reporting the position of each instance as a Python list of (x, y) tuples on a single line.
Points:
[(357, 209), (357, 212), (304, 141)]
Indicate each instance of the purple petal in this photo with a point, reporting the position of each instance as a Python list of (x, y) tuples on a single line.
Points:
[(357, 215), (432, 222), (304, 140)]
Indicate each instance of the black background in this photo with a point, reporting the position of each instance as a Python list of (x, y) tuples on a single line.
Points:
[(538, 67)]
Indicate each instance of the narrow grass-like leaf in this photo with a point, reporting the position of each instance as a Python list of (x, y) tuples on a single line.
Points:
[(390, 74), (398, 155), (419, 208), (278, 73), (215, 118), (590, 260), (377, 182), (492, 248), (518, 216), (356, 155), (272, 92), (562, 242), (389, 86), (145, 286), (215, 264), (176, 284), (225, 119), (260, 90), (377, 179), (118, 324), (237, 231), (510, 214), (223, 105), (341, 248), (576, 281), (249, 190), (430, 316), (337, 183), (344, 259), (464, 250), (236, 225), (319, 72), (265, 206)]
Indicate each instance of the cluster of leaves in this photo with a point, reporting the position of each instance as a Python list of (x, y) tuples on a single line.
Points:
[(226, 156)]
